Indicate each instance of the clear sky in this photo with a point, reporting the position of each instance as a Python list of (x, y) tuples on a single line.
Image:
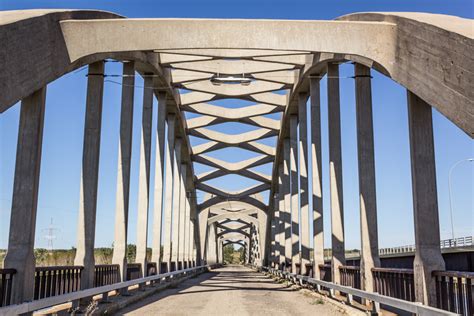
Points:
[(64, 121)]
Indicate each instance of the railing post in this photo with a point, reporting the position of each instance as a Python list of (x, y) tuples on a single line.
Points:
[(20, 255), (335, 172), (369, 257), (90, 174), (425, 201), (123, 171)]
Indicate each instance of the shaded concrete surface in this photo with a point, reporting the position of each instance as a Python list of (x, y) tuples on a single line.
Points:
[(232, 290)]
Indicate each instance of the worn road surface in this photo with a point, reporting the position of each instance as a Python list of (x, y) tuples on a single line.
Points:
[(233, 290)]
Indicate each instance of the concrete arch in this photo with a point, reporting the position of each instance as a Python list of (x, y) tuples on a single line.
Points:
[(380, 37), (230, 215)]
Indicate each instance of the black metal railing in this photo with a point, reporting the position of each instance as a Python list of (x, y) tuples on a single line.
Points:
[(325, 272), (134, 271), (57, 280), (151, 268), (454, 291), (398, 283), (105, 274), (6, 282), (350, 276)]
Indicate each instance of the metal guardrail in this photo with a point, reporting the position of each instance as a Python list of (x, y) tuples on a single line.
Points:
[(454, 291), (444, 244), (6, 282), (74, 297), (56, 280), (350, 292)]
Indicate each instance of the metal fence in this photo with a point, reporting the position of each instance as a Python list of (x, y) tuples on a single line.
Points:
[(6, 282)]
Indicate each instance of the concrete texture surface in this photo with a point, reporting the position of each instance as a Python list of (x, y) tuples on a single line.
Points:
[(232, 290)]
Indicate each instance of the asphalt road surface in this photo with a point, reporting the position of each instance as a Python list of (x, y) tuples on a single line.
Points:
[(232, 290)]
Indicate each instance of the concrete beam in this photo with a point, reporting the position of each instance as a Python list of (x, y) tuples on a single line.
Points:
[(159, 190), (144, 175), (335, 172), (123, 170), (367, 188), (90, 175), (169, 179), (425, 200), (21, 240), (316, 177)]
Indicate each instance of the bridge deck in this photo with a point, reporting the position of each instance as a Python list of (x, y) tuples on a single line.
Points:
[(233, 290)]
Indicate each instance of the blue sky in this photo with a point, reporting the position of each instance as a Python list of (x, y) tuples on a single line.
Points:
[(64, 121)]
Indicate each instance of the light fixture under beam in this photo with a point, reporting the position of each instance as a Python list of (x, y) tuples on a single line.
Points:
[(218, 80)]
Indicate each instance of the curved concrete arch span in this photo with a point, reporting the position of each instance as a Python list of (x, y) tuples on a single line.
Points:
[(277, 65)]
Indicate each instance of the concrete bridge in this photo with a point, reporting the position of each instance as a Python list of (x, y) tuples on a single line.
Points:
[(277, 65)]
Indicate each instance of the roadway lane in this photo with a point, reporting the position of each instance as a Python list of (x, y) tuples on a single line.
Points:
[(233, 290)]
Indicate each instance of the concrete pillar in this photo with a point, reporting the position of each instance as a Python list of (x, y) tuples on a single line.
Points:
[(168, 208), (192, 256), (90, 175), (283, 229), (425, 201), (203, 233), (182, 215), (144, 176), (287, 190), (262, 235), (21, 241), (123, 171), (369, 257), (274, 233), (159, 180), (187, 230), (335, 172), (295, 214), (316, 177), (212, 245), (304, 188), (177, 181)]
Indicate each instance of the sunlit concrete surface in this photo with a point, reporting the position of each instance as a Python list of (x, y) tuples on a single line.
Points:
[(232, 290)]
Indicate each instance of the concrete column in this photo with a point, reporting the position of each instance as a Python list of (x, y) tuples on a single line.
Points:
[(316, 177), (203, 233), (144, 176), (274, 233), (283, 229), (187, 230), (90, 175), (287, 190), (177, 181), (262, 234), (295, 215), (168, 208), (159, 180), (182, 215), (335, 172), (21, 241), (425, 201), (211, 245), (304, 188), (195, 256), (123, 170), (369, 257)]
